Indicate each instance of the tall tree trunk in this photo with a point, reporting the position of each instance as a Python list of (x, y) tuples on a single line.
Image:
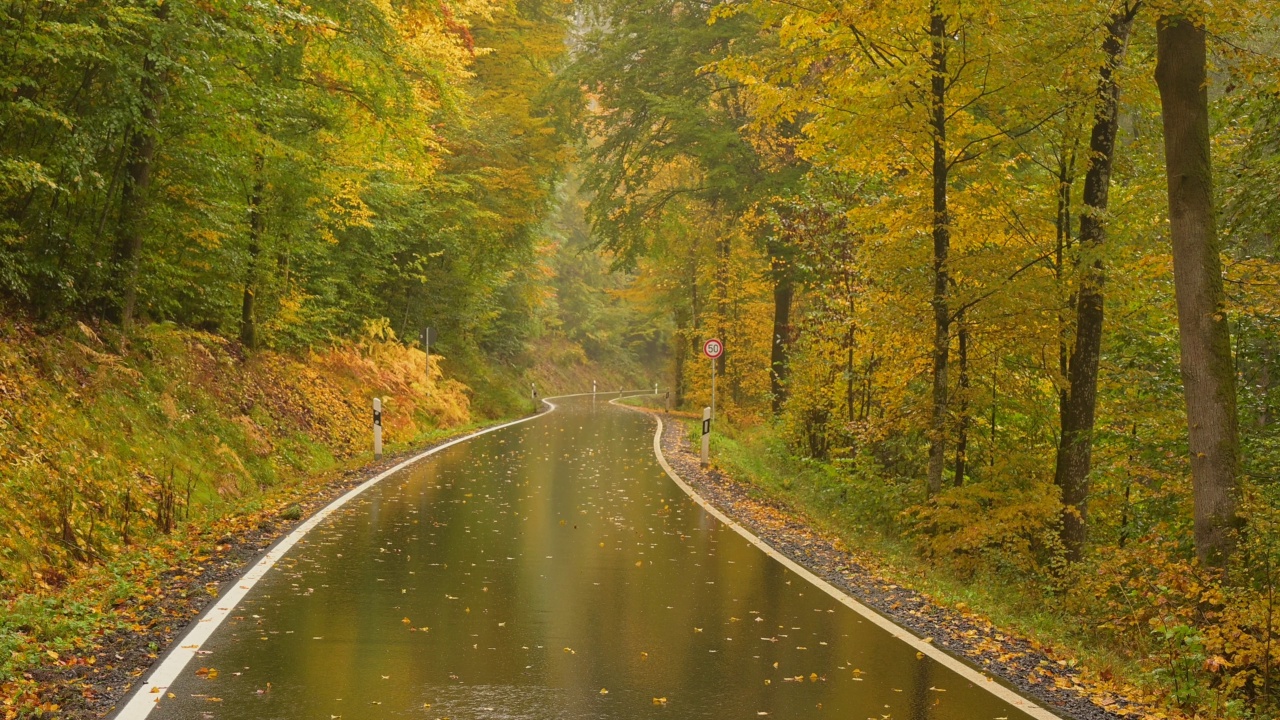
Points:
[(248, 319), (689, 339), (962, 425), (848, 374), (681, 351), (1075, 443), (137, 180), (1066, 183), (783, 292), (1208, 372), (941, 248), (995, 406), (724, 253)]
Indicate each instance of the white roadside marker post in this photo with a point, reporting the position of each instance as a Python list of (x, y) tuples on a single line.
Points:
[(377, 428), (655, 389), (706, 436)]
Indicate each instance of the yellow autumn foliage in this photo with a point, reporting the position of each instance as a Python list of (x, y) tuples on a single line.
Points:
[(99, 449)]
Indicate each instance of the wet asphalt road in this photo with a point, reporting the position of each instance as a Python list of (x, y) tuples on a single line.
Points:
[(550, 570)]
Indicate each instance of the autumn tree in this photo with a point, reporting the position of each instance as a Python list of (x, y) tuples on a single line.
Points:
[(1079, 402), (906, 97), (1208, 369)]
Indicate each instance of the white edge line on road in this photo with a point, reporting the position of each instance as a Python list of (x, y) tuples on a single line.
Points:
[(965, 671), (149, 693)]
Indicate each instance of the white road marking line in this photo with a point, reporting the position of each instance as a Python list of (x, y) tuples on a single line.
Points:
[(968, 673), (150, 692)]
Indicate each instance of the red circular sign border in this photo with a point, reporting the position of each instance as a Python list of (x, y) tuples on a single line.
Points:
[(707, 343)]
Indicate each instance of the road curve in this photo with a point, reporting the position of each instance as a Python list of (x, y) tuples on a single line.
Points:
[(546, 569)]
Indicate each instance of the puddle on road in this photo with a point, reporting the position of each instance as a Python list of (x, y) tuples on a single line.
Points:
[(551, 570)]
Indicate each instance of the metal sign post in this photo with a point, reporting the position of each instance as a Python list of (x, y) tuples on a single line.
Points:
[(713, 349), (377, 428), (706, 436), (713, 387)]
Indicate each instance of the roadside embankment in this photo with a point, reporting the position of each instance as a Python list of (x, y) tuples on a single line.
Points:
[(136, 481), (133, 482)]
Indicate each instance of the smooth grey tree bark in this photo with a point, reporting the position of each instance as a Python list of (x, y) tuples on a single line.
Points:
[(1208, 370)]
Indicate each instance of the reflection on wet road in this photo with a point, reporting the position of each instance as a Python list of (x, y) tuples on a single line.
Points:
[(550, 570)]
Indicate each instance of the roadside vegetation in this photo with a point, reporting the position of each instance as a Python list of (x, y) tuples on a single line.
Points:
[(121, 469), (118, 469), (997, 285)]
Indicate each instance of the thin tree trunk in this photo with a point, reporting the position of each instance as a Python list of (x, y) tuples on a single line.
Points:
[(132, 213), (248, 320), (1075, 443), (1208, 372), (681, 350), (137, 181), (724, 253), (941, 249), (1265, 360), (1066, 183), (962, 426), (995, 406), (783, 292), (689, 344)]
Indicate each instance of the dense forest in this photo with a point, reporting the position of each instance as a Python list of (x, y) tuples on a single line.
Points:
[(278, 172), (998, 281)]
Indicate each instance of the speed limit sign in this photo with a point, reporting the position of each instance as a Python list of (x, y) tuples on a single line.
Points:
[(713, 348)]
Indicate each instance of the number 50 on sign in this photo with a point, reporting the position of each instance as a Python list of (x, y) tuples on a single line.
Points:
[(713, 348)]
